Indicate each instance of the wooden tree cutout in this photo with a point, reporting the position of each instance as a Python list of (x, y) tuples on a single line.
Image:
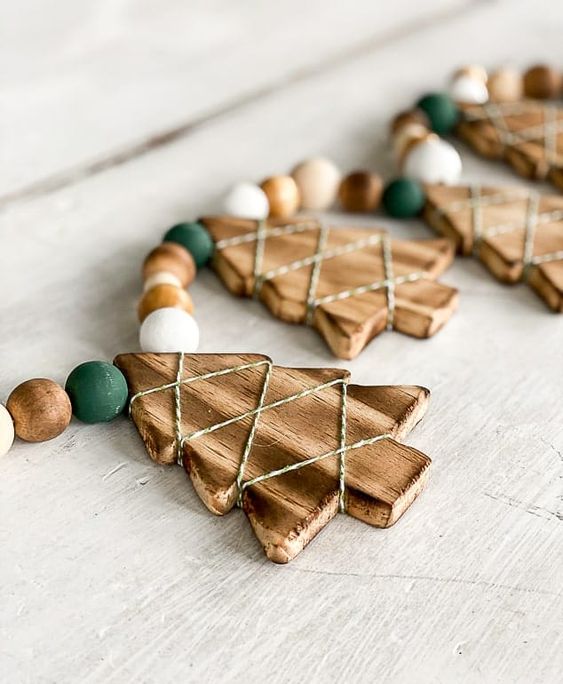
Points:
[(527, 134), (516, 233), (292, 446), (350, 284)]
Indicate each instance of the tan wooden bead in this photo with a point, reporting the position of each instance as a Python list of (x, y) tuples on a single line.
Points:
[(171, 257), (360, 191), (161, 278), (505, 85), (476, 71), (162, 296), (412, 116), (318, 180), (542, 82), (283, 195), (40, 408), (404, 138)]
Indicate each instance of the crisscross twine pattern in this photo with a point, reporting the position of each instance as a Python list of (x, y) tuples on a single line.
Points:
[(255, 414), (547, 131), (315, 260), (531, 221)]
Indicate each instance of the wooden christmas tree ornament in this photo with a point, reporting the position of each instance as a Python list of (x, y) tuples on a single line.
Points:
[(350, 284), (528, 134), (516, 233), (291, 446)]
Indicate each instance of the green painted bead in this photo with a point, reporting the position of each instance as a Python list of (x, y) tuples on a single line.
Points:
[(97, 390), (195, 238), (440, 110), (403, 198)]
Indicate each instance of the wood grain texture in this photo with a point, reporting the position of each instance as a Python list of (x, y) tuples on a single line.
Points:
[(420, 308), (112, 571), (287, 511), (493, 222)]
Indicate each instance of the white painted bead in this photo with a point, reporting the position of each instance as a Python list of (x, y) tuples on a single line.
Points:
[(246, 200), (433, 161), (169, 330), (161, 278), (318, 181), (468, 90), (6, 430)]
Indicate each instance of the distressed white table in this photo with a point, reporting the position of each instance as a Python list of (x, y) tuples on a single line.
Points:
[(119, 118)]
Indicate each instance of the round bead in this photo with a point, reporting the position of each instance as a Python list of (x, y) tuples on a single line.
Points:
[(468, 90), (246, 200), (318, 180), (97, 390), (406, 137), (505, 85), (161, 278), (360, 191), (411, 116), (474, 71), (6, 430), (162, 296), (433, 161), (441, 110), (542, 82), (169, 330), (171, 257), (40, 410), (283, 195), (195, 238), (403, 198)]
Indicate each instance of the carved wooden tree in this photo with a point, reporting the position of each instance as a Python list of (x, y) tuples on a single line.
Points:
[(516, 233), (292, 446), (527, 134), (350, 284)]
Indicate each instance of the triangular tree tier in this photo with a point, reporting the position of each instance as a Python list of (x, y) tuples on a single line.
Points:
[(516, 233), (349, 283), (527, 134), (236, 421)]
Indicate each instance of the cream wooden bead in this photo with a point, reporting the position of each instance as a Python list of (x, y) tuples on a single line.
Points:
[(474, 71), (468, 90), (433, 160), (318, 181), (7, 433), (505, 85), (161, 278), (169, 330), (246, 200)]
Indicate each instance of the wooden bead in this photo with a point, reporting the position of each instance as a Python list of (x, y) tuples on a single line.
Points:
[(169, 330), (468, 90), (161, 296), (406, 138), (542, 82), (193, 237), (171, 257), (40, 409), (505, 85), (441, 110), (318, 180), (360, 191), (98, 391), (6, 430), (283, 195), (403, 198), (411, 116), (246, 200), (473, 71), (433, 161), (161, 278)]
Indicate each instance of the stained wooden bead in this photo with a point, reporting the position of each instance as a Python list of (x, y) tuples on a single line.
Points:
[(171, 257), (246, 200), (468, 90), (406, 137), (433, 161), (411, 116), (360, 191), (161, 296), (318, 180), (6, 430), (169, 330), (542, 82), (441, 110), (40, 410), (195, 238), (283, 195), (505, 85), (161, 278), (98, 391)]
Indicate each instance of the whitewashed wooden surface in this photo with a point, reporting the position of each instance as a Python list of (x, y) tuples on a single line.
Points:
[(124, 577)]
